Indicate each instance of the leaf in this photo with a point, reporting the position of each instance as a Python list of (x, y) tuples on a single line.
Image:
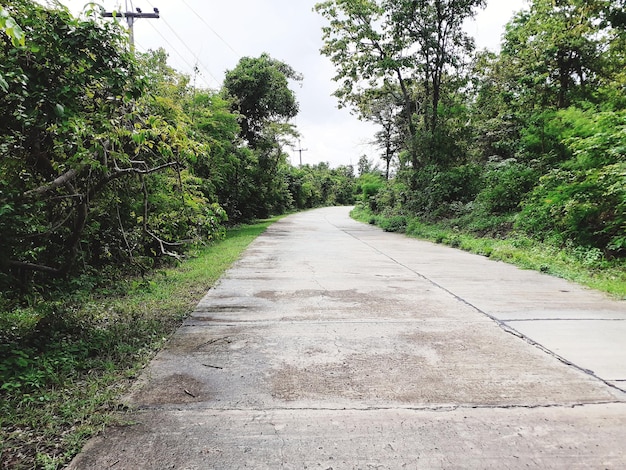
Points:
[(139, 137), (13, 30), (59, 110), (6, 209)]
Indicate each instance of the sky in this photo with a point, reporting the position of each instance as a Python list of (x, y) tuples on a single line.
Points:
[(213, 35)]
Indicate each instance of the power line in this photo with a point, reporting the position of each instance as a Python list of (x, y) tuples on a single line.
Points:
[(207, 69), (192, 67), (212, 30)]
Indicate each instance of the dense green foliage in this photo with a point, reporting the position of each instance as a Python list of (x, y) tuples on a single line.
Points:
[(112, 165), (530, 139), (111, 161)]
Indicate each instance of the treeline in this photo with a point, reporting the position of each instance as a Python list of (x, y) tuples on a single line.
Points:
[(113, 161), (531, 139)]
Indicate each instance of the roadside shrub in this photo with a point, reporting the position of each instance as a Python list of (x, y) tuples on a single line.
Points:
[(367, 187), (441, 192), (505, 185), (596, 139), (458, 184), (393, 197), (395, 223), (587, 208)]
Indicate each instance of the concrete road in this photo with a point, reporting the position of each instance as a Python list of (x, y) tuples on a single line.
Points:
[(333, 345)]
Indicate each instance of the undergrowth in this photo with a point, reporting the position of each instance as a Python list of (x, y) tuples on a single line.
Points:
[(65, 362)]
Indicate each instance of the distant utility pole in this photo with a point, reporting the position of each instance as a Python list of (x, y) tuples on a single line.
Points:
[(300, 150), (130, 19)]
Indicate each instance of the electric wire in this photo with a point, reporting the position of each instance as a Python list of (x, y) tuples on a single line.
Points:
[(175, 50), (212, 30), (207, 69)]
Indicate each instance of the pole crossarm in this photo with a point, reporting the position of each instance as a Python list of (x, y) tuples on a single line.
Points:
[(131, 14)]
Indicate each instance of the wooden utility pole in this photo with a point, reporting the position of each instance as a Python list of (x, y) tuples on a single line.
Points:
[(300, 150), (130, 19)]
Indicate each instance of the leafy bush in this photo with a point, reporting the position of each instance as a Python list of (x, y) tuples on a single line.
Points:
[(586, 207), (393, 197), (396, 223), (457, 184), (505, 185), (367, 187), (542, 136), (595, 139), (441, 192)]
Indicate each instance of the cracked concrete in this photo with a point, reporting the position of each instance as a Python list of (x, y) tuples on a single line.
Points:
[(331, 344)]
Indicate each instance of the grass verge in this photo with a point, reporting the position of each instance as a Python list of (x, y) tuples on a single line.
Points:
[(582, 265), (64, 365)]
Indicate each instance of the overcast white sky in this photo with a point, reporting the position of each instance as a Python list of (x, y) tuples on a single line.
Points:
[(214, 34)]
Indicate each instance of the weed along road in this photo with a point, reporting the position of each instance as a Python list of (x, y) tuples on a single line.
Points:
[(334, 345)]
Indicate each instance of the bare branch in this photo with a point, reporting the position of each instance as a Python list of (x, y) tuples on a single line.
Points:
[(36, 267), (163, 243), (60, 181), (121, 172)]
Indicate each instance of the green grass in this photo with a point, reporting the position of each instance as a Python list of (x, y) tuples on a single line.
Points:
[(64, 364), (582, 265)]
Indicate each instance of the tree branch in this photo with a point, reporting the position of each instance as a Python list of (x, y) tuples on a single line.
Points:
[(60, 181), (162, 244), (36, 267), (120, 172)]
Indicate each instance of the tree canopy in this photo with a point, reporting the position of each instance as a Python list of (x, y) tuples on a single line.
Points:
[(259, 88), (412, 51)]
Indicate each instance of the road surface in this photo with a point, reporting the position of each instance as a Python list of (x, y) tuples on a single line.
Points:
[(334, 345)]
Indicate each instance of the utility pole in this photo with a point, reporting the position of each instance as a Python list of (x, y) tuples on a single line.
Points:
[(300, 150), (130, 19)]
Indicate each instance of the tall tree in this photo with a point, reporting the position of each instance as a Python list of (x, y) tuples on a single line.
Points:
[(92, 168), (365, 54), (554, 50), (383, 107), (261, 95), (415, 44), (431, 34)]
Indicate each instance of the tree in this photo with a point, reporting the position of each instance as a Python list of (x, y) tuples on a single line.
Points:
[(413, 44), (260, 91), (383, 107), (359, 42), (554, 50), (495, 125), (260, 94), (432, 35), (70, 75)]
